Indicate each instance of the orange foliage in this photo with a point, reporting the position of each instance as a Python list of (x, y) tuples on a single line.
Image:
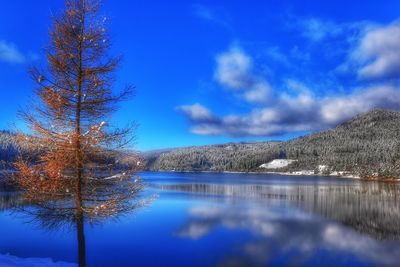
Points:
[(76, 149)]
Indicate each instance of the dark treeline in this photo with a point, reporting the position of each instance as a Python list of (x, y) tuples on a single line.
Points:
[(366, 145), (226, 157)]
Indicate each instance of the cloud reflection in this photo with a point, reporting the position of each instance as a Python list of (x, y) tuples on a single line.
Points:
[(290, 235)]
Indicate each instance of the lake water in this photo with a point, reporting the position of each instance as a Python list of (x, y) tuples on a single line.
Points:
[(212, 219)]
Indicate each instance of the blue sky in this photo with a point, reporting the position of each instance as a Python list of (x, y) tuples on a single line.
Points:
[(222, 71)]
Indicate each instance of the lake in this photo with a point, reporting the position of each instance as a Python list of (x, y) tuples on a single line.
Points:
[(212, 219)]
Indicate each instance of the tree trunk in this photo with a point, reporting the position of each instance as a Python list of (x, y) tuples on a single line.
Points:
[(81, 240)]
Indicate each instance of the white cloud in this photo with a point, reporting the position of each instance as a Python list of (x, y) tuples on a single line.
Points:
[(234, 69), (293, 107), (338, 109), (9, 53), (379, 52), (259, 93), (196, 112), (235, 72), (303, 112)]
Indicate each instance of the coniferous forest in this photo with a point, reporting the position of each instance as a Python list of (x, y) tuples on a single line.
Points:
[(366, 145)]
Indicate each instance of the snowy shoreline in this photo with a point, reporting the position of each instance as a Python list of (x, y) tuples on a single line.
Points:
[(311, 173), (272, 167), (297, 173), (8, 260), (322, 169)]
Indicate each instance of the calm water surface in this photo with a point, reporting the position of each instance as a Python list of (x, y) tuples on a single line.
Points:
[(225, 220)]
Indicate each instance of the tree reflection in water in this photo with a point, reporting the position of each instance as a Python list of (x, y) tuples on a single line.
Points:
[(108, 199), (368, 207), (298, 224)]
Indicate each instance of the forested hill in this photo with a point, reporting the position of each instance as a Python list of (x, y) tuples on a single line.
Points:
[(226, 157), (367, 144)]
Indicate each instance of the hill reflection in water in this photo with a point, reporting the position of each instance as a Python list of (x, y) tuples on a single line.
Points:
[(368, 207), (298, 223)]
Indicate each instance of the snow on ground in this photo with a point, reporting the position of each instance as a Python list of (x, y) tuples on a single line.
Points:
[(277, 163), (322, 168), (344, 174), (13, 261), (281, 163), (302, 172)]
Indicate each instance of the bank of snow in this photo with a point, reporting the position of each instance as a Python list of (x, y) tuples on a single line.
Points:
[(13, 261), (313, 173), (322, 169), (277, 163)]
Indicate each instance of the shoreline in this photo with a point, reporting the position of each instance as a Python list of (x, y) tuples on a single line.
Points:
[(265, 172), (298, 173)]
